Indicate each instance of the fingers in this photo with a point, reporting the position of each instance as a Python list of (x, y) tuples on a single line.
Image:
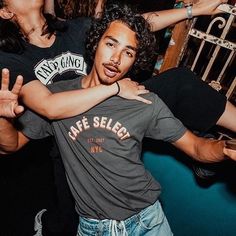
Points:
[(18, 85), (141, 87), (5, 79), (230, 153), (142, 91), (141, 99)]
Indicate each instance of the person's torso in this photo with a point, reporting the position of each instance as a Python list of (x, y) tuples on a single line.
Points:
[(64, 59), (101, 151)]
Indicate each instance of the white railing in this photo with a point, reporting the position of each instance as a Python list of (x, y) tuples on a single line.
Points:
[(210, 47)]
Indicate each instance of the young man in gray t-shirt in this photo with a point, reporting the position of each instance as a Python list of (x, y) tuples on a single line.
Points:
[(101, 148)]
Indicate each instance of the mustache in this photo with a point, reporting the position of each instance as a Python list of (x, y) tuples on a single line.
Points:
[(112, 66)]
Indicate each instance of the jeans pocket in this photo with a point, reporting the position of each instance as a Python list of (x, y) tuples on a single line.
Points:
[(152, 216)]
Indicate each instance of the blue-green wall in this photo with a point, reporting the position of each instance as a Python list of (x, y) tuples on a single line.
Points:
[(192, 210)]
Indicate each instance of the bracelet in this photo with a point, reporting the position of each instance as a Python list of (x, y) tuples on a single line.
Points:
[(189, 9), (118, 87)]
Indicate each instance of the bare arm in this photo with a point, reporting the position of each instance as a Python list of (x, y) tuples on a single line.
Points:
[(58, 105), (66, 104), (162, 19), (204, 150)]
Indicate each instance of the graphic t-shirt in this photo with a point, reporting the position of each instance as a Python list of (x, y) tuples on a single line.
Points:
[(62, 60), (101, 151)]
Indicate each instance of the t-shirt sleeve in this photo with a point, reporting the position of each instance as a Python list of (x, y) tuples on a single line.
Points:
[(163, 124), (34, 126)]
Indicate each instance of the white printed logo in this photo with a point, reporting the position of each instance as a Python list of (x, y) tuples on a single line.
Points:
[(46, 70)]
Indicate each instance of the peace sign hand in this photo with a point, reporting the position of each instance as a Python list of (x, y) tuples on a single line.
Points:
[(9, 106)]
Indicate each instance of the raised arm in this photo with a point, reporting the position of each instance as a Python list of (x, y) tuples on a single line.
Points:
[(204, 150), (162, 19), (66, 104)]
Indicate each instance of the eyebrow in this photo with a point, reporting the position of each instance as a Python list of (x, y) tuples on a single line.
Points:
[(116, 41)]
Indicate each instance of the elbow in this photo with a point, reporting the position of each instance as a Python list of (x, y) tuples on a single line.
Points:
[(11, 147), (8, 150), (4, 153), (57, 114), (50, 114)]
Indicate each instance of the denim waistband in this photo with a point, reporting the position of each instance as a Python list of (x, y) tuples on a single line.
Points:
[(114, 225)]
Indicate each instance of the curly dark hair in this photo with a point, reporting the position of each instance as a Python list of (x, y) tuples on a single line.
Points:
[(146, 50)]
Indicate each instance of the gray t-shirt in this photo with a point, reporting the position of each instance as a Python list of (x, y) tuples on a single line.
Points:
[(101, 151)]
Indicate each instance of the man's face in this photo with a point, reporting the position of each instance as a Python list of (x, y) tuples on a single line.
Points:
[(116, 53)]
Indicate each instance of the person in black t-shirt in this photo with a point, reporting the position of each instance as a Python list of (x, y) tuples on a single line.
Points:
[(40, 53), (101, 147)]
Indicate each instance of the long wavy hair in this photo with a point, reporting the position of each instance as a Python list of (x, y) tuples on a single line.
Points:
[(146, 51), (75, 8), (11, 37)]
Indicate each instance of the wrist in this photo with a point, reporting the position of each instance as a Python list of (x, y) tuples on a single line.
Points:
[(6, 120), (189, 10), (114, 89), (118, 87)]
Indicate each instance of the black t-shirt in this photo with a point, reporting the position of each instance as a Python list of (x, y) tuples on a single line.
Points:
[(63, 60)]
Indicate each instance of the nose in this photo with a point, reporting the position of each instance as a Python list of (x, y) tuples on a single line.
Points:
[(116, 57)]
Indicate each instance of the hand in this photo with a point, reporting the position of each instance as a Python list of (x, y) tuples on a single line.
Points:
[(207, 7), (131, 90), (9, 107), (230, 149), (231, 153)]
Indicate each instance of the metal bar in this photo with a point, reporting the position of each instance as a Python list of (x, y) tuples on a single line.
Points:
[(213, 39), (231, 89), (231, 55), (228, 8)]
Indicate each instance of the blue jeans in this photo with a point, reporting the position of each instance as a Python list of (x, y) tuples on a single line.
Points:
[(151, 221)]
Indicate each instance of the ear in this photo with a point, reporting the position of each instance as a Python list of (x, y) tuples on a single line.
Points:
[(6, 14)]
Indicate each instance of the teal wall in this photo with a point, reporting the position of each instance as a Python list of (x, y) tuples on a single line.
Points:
[(192, 210)]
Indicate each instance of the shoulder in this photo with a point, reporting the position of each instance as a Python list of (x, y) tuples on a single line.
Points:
[(156, 100), (65, 85), (158, 107)]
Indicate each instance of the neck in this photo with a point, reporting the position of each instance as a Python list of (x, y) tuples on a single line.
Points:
[(90, 80), (32, 27)]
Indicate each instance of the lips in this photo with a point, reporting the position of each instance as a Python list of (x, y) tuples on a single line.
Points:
[(110, 70)]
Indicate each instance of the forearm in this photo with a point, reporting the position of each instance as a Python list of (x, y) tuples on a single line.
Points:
[(69, 103), (161, 19), (201, 149), (8, 136), (210, 151), (78, 101)]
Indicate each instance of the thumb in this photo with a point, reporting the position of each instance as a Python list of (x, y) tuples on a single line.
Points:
[(141, 99), (18, 110)]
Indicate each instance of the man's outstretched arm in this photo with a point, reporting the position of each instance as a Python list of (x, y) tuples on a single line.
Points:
[(204, 150), (162, 19), (10, 139)]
